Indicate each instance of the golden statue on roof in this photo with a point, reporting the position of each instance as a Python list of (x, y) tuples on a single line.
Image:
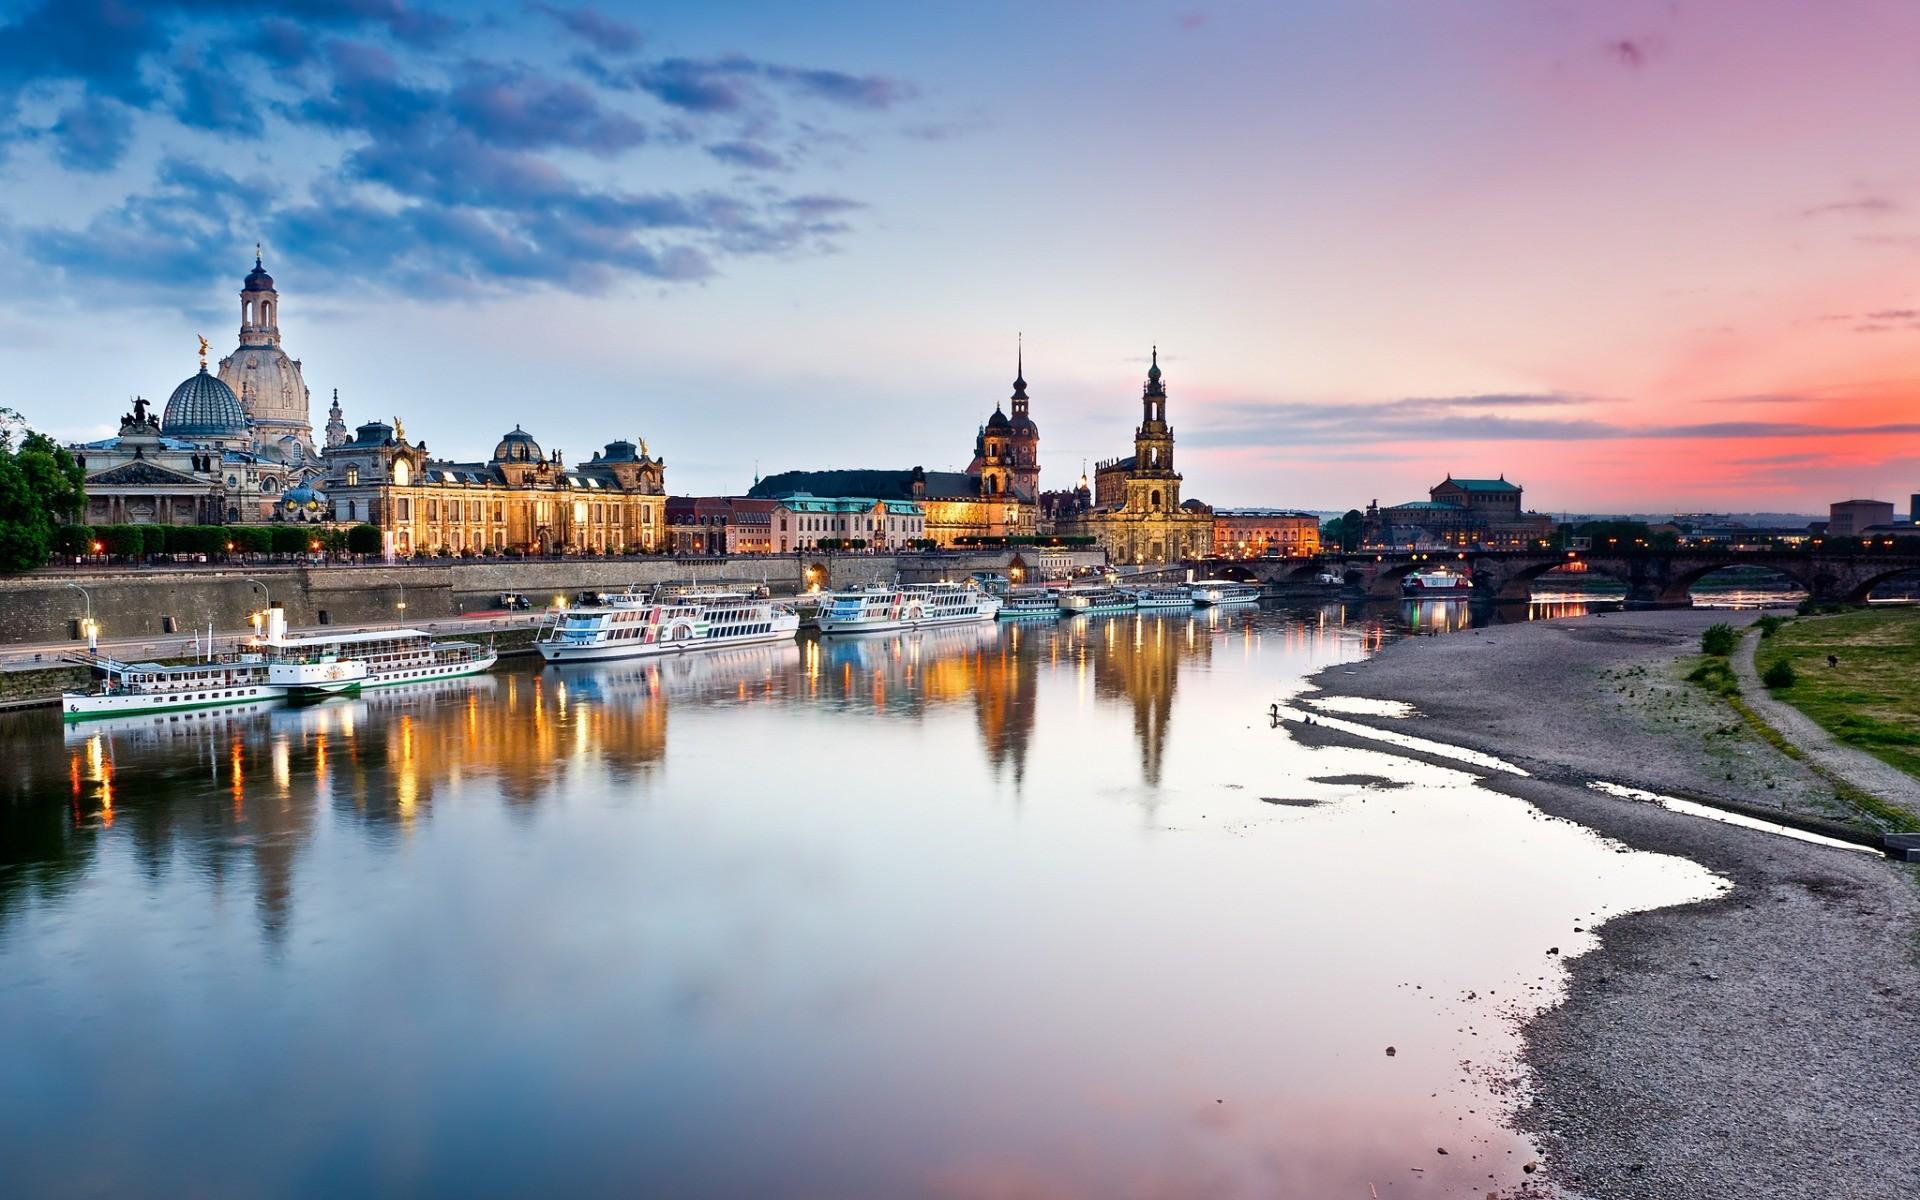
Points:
[(203, 349), (399, 431)]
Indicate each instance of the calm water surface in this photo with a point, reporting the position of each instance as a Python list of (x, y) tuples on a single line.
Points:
[(1006, 911)]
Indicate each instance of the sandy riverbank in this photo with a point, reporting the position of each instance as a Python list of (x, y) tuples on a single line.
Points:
[(1759, 1045)]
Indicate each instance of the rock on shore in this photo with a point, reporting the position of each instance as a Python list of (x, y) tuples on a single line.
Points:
[(1764, 1044)]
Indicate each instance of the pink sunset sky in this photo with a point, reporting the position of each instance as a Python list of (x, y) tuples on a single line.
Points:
[(1637, 256)]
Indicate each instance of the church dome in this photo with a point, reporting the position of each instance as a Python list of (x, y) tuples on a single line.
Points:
[(204, 407), (1024, 424), (998, 420), (517, 446), (257, 279)]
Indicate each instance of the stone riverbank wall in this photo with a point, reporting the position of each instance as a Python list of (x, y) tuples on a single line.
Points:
[(41, 608)]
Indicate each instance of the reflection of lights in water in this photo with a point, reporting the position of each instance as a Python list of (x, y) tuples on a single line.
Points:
[(236, 766), (320, 758), (282, 766)]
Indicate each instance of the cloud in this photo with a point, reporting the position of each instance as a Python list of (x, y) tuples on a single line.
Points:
[(93, 134), (1415, 419), (729, 84), (604, 33), (747, 154), (1632, 52), (442, 168), (1865, 206)]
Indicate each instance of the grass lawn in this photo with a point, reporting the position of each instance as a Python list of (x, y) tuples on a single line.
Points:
[(1872, 698)]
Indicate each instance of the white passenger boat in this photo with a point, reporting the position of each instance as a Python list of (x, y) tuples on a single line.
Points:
[(632, 624), (1022, 604), (1436, 584), (128, 689), (324, 674), (878, 607), (391, 656), (1209, 592), (1161, 595), (1080, 602)]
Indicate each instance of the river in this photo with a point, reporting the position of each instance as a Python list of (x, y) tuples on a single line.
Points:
[(997, 911)]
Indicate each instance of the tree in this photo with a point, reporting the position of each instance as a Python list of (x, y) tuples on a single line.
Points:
[(363, 539), (41, 488), (1343, 532)]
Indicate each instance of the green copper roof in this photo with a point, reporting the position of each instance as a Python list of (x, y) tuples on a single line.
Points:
[(1484, 485)]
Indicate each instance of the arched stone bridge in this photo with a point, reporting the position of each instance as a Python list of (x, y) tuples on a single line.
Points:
[(1661, 577)]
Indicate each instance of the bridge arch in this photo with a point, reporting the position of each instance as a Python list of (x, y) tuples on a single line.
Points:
[(1862, 588), (1514, 584), (1678, 588), (1234, 571)]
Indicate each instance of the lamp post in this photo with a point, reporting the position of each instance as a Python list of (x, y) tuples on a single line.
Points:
[(86, 623)]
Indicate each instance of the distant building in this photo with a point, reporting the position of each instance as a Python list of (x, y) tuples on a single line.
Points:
[(1260, 532), (801, 521), (1847, 518), (996, 496), (719, 525), (1458, 513), (1136, 513)]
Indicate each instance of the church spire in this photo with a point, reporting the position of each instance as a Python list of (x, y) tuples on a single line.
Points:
[(1019, 367)]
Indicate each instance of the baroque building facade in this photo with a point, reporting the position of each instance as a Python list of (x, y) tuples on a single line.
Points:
[(1136, 514), (522, 500)]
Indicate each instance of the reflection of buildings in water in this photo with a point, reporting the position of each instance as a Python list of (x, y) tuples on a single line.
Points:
[(1137, 659), (1006, 702), (1436, 616), (906, 670)]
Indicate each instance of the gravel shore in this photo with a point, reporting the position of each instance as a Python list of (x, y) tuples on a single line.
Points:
[(1764, 1044)]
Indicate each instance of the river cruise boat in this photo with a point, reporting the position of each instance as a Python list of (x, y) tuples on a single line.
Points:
[(1211, 592), (391, 656), (1081, 602), (129, 689), (1022, 604), (1437, 585), (632, 624), (323, 674), (1162, 595), (878, 607)]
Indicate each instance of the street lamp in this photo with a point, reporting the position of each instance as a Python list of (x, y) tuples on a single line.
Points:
[(87, 626)]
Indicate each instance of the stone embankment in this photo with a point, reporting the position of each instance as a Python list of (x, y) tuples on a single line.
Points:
[(42, 609)]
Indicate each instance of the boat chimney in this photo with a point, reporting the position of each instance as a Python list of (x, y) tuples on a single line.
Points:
[(276, 620)]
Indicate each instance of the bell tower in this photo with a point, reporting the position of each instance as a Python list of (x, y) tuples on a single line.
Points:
[(1023, 436), (259, 307), (1153, 485)]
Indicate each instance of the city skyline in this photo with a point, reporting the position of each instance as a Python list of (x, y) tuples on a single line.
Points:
[(1649, 259)]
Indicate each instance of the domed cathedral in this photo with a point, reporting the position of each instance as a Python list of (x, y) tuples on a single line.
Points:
[(269, 384), (1006, 454), (200, 462), (522, 500), (1137, 514)]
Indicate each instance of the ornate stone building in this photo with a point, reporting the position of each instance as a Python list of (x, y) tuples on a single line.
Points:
[(1137, 515), (998, 495), (270, 386), (522, 499), (1458, 513)]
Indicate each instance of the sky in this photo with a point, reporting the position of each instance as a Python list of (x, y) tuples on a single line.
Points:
[(1635, 256)]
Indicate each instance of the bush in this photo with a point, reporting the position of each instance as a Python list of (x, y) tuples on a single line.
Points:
[(1719, 639), (74, 539), (1715, 676), (288, 539), (1779, 675), (363, 539), (1769, 624)]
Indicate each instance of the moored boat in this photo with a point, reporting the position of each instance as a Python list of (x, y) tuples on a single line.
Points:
[(632, 624), (1161, 595), (1081, 602), (1211, 592), (320, 675), (390, 656), (1436, 584), (1022, 604), (878, 607), (127, 689)]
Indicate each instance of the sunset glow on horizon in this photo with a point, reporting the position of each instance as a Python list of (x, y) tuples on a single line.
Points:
[(1640, 257)]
